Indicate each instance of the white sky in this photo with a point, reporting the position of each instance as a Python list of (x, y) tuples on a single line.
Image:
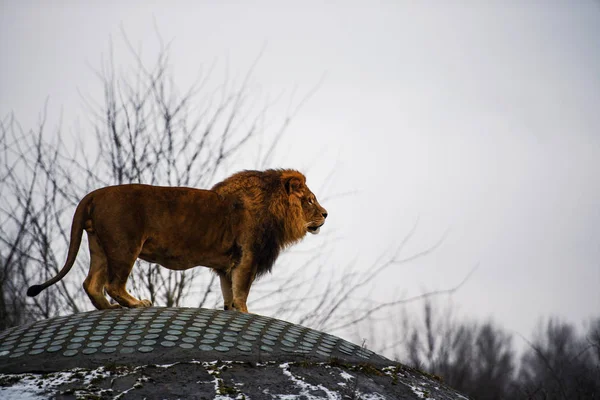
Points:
[(478, 117)]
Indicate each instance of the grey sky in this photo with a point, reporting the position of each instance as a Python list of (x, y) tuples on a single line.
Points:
[(478, 117)]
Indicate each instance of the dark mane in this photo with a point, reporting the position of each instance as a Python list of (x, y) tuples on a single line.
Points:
[(267, 244), (266, 248)]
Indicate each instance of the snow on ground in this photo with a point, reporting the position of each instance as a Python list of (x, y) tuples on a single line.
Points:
[(30, 386), (306, 388), (38, 386)]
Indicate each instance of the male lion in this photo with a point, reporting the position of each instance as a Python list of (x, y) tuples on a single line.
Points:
[(237, 228)]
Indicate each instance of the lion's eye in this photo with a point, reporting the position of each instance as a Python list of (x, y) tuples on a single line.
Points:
[(310, 201)]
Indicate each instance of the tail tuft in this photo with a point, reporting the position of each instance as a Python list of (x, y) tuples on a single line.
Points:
[(34, 290)]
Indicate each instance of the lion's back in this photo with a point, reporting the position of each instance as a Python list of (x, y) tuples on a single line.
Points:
[(157, 208)]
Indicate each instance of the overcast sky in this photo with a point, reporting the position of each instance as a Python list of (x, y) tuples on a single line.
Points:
[(477, 118)]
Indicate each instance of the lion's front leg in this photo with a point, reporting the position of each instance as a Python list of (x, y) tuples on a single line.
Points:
[(226, 290), (242, 277)]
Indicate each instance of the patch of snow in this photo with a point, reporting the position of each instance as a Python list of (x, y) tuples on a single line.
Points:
[(265, 363), (371, 396), (22, 392), (420, 392), (175, 363), (98, 373), (138, 384), (218, 382), (41, 386), (306, 388), (346, 376), (357, 393), (33, 386), (391, 371)]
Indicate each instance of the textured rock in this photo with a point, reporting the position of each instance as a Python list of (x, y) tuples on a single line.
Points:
[(196, 353)]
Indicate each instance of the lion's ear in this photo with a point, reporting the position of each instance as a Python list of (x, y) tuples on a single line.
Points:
[(293, 185)]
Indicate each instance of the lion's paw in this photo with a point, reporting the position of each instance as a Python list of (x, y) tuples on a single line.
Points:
[(145, 303)]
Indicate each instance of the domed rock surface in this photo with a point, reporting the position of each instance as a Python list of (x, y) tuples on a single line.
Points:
[(196, 353)]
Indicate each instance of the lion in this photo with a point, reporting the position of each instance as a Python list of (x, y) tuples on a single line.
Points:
[(237, 228)]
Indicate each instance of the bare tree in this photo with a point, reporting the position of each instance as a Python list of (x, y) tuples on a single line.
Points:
[(477, 359), (12, 307), (494, 363), (561, 364), (593, 339)]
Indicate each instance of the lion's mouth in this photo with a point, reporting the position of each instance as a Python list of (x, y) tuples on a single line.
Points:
[(315, 228)]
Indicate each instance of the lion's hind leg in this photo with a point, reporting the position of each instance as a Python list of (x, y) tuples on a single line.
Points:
[(97, 276), (118, 273)]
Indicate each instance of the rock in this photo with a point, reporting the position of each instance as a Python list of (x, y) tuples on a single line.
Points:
[(196, 353)]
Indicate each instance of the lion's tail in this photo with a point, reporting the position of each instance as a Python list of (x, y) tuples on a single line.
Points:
[(79, 218)]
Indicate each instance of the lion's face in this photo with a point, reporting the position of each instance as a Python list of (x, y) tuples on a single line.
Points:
[(305, 204), (314, 214)]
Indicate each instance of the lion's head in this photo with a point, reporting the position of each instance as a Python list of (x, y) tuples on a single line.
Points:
[(281, 195), (313, 214)]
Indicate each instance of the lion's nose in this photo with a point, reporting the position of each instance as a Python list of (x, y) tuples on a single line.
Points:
[(324, 214)]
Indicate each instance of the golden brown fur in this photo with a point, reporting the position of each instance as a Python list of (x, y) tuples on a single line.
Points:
[(237, 228)]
